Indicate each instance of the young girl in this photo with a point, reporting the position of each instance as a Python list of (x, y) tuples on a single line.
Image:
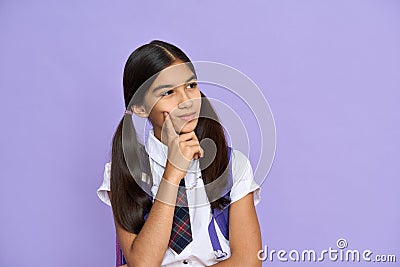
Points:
[(157, 189)]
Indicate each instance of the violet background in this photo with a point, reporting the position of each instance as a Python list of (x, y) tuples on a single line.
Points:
[(329, 69)]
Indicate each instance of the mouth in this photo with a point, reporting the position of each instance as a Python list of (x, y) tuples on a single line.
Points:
[(188, 116)]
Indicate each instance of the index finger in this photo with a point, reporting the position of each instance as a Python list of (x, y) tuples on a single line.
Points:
[(168, 127)]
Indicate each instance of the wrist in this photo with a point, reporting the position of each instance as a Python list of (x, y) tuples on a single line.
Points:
[(167, 192), (172, 174)]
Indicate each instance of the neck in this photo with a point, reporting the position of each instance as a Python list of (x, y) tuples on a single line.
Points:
[(157, 134)]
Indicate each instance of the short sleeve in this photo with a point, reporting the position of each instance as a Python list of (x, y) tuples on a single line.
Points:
[(105, 186), (243, 178)]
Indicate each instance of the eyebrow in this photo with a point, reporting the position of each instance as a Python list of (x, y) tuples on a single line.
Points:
[(170, 85)]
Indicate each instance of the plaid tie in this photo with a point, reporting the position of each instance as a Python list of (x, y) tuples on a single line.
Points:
[(181, 234)]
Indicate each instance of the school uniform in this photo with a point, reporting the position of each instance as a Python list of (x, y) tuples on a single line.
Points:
[(200, 251)]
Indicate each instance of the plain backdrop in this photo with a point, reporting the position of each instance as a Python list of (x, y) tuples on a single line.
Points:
[(329, 70)]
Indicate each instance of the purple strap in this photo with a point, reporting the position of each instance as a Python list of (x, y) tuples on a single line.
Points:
[(212, 232), (120, 256), (221, 218)]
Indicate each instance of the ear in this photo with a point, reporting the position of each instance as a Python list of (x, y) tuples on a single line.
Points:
[(140, 111)]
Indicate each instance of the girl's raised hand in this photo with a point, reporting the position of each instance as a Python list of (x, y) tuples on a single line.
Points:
[(181, 148)]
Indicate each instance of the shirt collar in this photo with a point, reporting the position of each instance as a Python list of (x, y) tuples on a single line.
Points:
[(156, 149), (158, 152)]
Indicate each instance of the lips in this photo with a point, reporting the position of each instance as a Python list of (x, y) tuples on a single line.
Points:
[(188, 116)]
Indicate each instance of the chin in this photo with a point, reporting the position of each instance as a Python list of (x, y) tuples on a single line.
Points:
[(189, 127)]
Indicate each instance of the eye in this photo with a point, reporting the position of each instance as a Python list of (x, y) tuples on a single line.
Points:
[(192, 85), (166, 93)]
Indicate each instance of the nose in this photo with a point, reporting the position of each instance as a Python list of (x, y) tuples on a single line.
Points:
[(185, 101)]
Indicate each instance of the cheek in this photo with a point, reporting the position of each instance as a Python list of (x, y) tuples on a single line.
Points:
[(156, 115), (197, 103)]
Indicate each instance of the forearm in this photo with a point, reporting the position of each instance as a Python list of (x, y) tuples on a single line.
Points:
[(150, 244)]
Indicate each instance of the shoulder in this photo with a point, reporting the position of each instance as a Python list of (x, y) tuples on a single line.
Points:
[(107, 172), (243, 178), (239, 160), (241, 166), (102, 191)]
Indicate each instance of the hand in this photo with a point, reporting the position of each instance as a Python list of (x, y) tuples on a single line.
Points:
[(181, 148)]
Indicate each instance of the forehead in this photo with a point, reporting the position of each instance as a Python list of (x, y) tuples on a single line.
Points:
[(174, 75)]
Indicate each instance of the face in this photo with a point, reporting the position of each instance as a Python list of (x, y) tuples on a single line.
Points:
[(174, 91)]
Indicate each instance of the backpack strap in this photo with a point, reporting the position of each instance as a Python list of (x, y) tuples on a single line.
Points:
[(120, 256), (221, 218), (212, 232)]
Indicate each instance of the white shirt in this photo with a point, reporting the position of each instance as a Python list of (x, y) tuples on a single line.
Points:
[(199, 252)]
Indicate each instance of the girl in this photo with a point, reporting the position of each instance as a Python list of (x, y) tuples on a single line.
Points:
[(157, 223)]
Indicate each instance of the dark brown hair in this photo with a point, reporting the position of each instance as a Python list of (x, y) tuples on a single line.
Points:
[(129, 201)]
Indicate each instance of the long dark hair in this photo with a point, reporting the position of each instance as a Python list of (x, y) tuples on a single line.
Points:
[(128, 200)]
